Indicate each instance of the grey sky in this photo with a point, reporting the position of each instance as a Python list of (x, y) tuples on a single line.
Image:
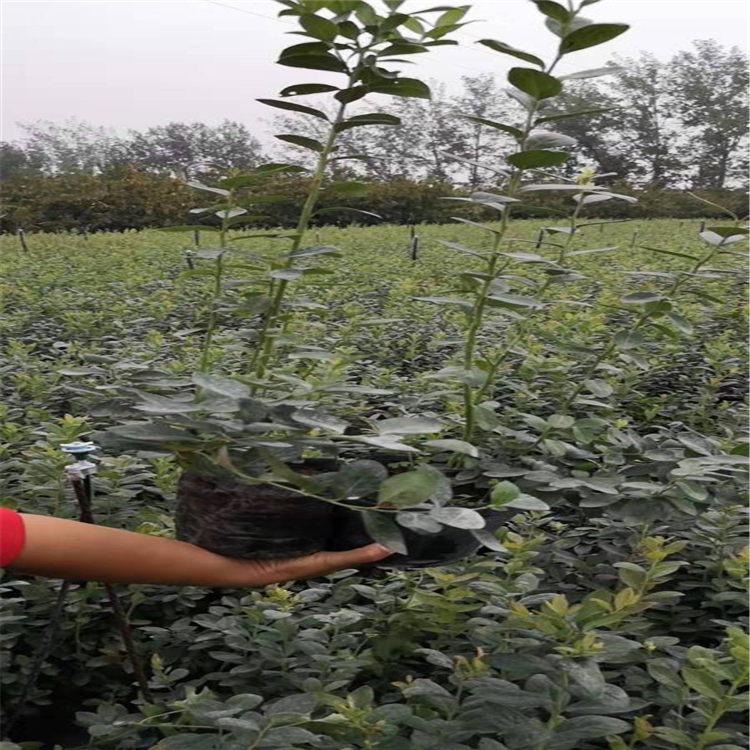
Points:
[(136, 63)]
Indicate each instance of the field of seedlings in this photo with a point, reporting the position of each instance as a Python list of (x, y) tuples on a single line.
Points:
[(606, 437)]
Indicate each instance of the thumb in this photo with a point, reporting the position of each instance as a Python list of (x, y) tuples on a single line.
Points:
[(322, 563)]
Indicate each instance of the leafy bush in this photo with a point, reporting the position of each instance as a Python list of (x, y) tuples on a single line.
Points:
[(130, 199), (607, 611)]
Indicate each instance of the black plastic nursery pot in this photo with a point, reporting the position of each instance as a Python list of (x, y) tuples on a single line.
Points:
[(262, 521)]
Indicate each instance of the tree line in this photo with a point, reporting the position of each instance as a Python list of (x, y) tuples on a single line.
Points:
[(660, 126)]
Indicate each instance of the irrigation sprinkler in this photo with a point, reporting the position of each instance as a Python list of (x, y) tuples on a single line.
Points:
[(79, 474), (189, 255)]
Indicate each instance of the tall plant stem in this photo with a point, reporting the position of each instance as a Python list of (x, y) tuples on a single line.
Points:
[(265, 343), (480, 304), (720, 709), (523, 328), (205, 359)]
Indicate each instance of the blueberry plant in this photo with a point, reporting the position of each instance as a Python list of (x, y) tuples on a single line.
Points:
[(249, 426), (592, 406)]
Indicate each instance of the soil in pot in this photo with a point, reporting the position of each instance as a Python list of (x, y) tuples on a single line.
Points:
[(250, 521), (265, 522)]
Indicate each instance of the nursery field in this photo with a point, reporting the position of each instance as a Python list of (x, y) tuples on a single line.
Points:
[(611, 433)]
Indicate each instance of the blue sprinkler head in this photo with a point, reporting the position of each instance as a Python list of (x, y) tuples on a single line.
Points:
[(79, 448)]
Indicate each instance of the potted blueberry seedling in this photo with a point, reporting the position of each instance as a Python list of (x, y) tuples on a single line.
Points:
[(269, 471)]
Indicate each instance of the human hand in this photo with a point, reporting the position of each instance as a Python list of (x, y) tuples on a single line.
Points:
[(59, 548), (264, 572)]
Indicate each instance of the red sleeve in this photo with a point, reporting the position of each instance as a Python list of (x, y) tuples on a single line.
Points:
[(12, 536)]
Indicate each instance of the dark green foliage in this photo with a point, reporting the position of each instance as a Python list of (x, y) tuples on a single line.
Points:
[(134, 200)]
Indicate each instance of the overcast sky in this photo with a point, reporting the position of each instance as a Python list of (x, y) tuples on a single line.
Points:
[(136, 63)]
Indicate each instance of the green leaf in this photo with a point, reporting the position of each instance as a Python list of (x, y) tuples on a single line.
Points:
[(503, 493), (302, 703), (452, 16), (514, 300), (570, 115), (309, 252), (729, 231), (545, 139), (358, 479), (301, 140), (600, 388), (629, 339), (78, 371), (681, 324), (509, 129), (592, 73), (222, 386), (702, 682), (459, 518), (304, 89), (336, 209), (388, 442), (358, 121), (537, 159), (319, 27), (674, 253), (641, 298), (588, 727), (716, 239), (385, 531), (416, 521), (407, 426), (675, 737), (535, 83), (251, 410), (506, 49), (409, 489), (553, 10), (352, 94), (286, 274), (406, 87), (156, 404), (454, 446), (312, 55), (293, 107), (320, 420), (403, 48), (591, 36), (153, 432), (527, 502), (200, 186), (489, 540)]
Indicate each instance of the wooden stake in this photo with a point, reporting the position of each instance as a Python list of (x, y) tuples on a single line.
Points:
[(197, 237), (22, 239)]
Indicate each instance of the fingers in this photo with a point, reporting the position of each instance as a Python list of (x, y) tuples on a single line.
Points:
[(323, 563)]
